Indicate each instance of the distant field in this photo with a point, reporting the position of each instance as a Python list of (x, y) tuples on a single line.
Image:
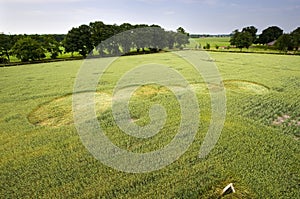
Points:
[(222, 44), (213, 41), (259, 150)]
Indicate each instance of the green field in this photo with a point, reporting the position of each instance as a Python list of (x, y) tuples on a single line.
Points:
[(213, 41), (223, 44), (259, 151), (216, 44)]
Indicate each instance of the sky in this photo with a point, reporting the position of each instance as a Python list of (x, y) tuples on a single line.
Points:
[(195, 16)]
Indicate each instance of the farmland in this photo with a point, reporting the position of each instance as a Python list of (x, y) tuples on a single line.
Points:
[(42, 154), (213, 41), (223, 44)]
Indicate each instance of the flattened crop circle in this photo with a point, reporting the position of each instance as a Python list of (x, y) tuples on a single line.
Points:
[(245, 86), (58, 112), (93, 136)]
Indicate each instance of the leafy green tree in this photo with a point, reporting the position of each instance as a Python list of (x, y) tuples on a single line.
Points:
[(142, 38), (182, 31), (100, 32), (140, 26), (284, 43), (270, 34), (170, 37), (97, 28), (252, 30), (52, 46), (125, 41), (79, 40), (112, 48), (125, 26), (181, 38), (98, 35), (159, 38), (59, 37), (241, 39), (296, 38), (6, 45), (70, 42), (246, 40), (233, 37), (27, 49)]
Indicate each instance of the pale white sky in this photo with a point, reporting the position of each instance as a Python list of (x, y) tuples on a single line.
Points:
[(196, 16)]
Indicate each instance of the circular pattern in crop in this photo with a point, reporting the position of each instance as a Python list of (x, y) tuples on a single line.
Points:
[(241, 86), (93, 135), (58, 112)]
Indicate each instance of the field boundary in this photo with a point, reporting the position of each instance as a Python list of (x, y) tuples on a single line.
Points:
[(19, 63), (253, 52), (40, 61)]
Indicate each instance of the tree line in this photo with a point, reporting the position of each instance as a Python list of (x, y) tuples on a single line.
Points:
[(282, 41), (86, 38), (29, 47)]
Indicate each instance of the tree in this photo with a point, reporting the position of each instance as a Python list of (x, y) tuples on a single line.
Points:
[(5, 45), (100, 32), (182, 31), (296, 38), (170, 39), (181, 38), (270, 34), (241, 39), (125, 41), (70, 41), (125, 27), (233, 37), (159, 38), (52, 46), (284, 43), (28, 49), (98, 35), (79, 40), (142, 37), (252, 30), (59, 37), (113, 47)]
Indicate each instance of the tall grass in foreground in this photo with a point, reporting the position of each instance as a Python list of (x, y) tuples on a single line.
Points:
[(42, 155)]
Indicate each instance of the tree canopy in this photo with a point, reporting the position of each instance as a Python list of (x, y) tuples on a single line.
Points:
[(270, 34), (5, 45), (79, 40), (252, 30), (52, 46), (295, 36), (27, 49), (290, 41), (284, 43), (242, 39), (86, 38)]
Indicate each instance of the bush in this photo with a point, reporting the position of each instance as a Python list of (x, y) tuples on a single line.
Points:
[(207, 46)]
